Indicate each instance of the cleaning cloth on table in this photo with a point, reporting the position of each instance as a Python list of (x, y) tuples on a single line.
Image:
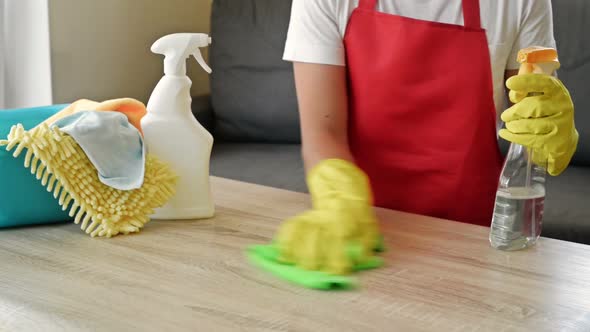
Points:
[(58, 161), (62, 183), (113, 145), (266, 257)]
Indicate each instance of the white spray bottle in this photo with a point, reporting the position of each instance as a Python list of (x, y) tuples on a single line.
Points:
[(172, 133)]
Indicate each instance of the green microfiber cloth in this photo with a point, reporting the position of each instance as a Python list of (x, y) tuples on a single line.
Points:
[(266, 257)]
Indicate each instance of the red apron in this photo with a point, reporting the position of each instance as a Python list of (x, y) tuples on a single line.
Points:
[(422, 115)]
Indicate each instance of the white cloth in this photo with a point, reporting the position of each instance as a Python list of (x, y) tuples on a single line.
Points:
[(112, 144), (317, 29)]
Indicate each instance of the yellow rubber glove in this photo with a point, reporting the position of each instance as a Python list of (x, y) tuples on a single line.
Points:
[(543, 122), (342, 216)]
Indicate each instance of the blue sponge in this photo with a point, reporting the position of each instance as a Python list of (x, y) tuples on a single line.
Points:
[(23, 200)]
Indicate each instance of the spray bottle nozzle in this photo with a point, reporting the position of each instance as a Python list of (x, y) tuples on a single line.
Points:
[(179, 47), (199, 57)]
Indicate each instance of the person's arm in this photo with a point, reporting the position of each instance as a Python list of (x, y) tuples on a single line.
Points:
[(341, 213), (536, 29), (323, 109), (544, 123)]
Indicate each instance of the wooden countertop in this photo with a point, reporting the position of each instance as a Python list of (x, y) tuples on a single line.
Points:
[(193, 276)]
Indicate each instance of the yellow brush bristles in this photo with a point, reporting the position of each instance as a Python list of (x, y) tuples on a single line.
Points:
[(64, 169)]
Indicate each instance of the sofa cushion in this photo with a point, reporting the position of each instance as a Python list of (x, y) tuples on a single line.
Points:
[(571, 34), (567, 209), (253, 89), (273, 165)]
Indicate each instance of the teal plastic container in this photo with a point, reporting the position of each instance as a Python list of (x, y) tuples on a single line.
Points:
[(23, 200)]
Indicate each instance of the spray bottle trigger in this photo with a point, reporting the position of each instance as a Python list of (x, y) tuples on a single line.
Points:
[(199, 57)]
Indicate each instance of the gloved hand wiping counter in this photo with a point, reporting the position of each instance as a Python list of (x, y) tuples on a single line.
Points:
[(92, 157), (320, 248)]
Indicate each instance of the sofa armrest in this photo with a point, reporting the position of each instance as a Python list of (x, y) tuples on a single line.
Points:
[(203, 111)]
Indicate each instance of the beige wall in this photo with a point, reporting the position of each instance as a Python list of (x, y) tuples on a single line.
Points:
[(101, 49)]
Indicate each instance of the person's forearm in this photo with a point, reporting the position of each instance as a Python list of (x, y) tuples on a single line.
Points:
[(323, 105), (323, 146)]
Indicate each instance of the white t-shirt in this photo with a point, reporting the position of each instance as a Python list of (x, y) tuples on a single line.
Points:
[(317, 29)]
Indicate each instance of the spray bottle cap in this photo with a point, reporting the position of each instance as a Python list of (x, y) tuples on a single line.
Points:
[(179, 47), (539, 60)]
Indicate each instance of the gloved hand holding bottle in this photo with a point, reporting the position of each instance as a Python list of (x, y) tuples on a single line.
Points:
[(342, 217), (543, 121)]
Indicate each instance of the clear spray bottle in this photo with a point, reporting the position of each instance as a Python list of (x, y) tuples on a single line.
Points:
[(520, 199)]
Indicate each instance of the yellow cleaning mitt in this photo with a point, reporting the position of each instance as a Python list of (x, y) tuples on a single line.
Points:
[(61, 165)]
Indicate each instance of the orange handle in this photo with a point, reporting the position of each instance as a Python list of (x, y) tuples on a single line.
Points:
[(539, 60)]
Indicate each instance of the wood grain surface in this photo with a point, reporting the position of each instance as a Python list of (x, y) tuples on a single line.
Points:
[(193, 276)]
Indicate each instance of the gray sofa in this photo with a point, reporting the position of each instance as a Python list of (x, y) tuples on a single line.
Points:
[(252, 110)]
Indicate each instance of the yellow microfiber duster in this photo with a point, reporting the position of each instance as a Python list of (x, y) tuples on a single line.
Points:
[(63, 167)]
